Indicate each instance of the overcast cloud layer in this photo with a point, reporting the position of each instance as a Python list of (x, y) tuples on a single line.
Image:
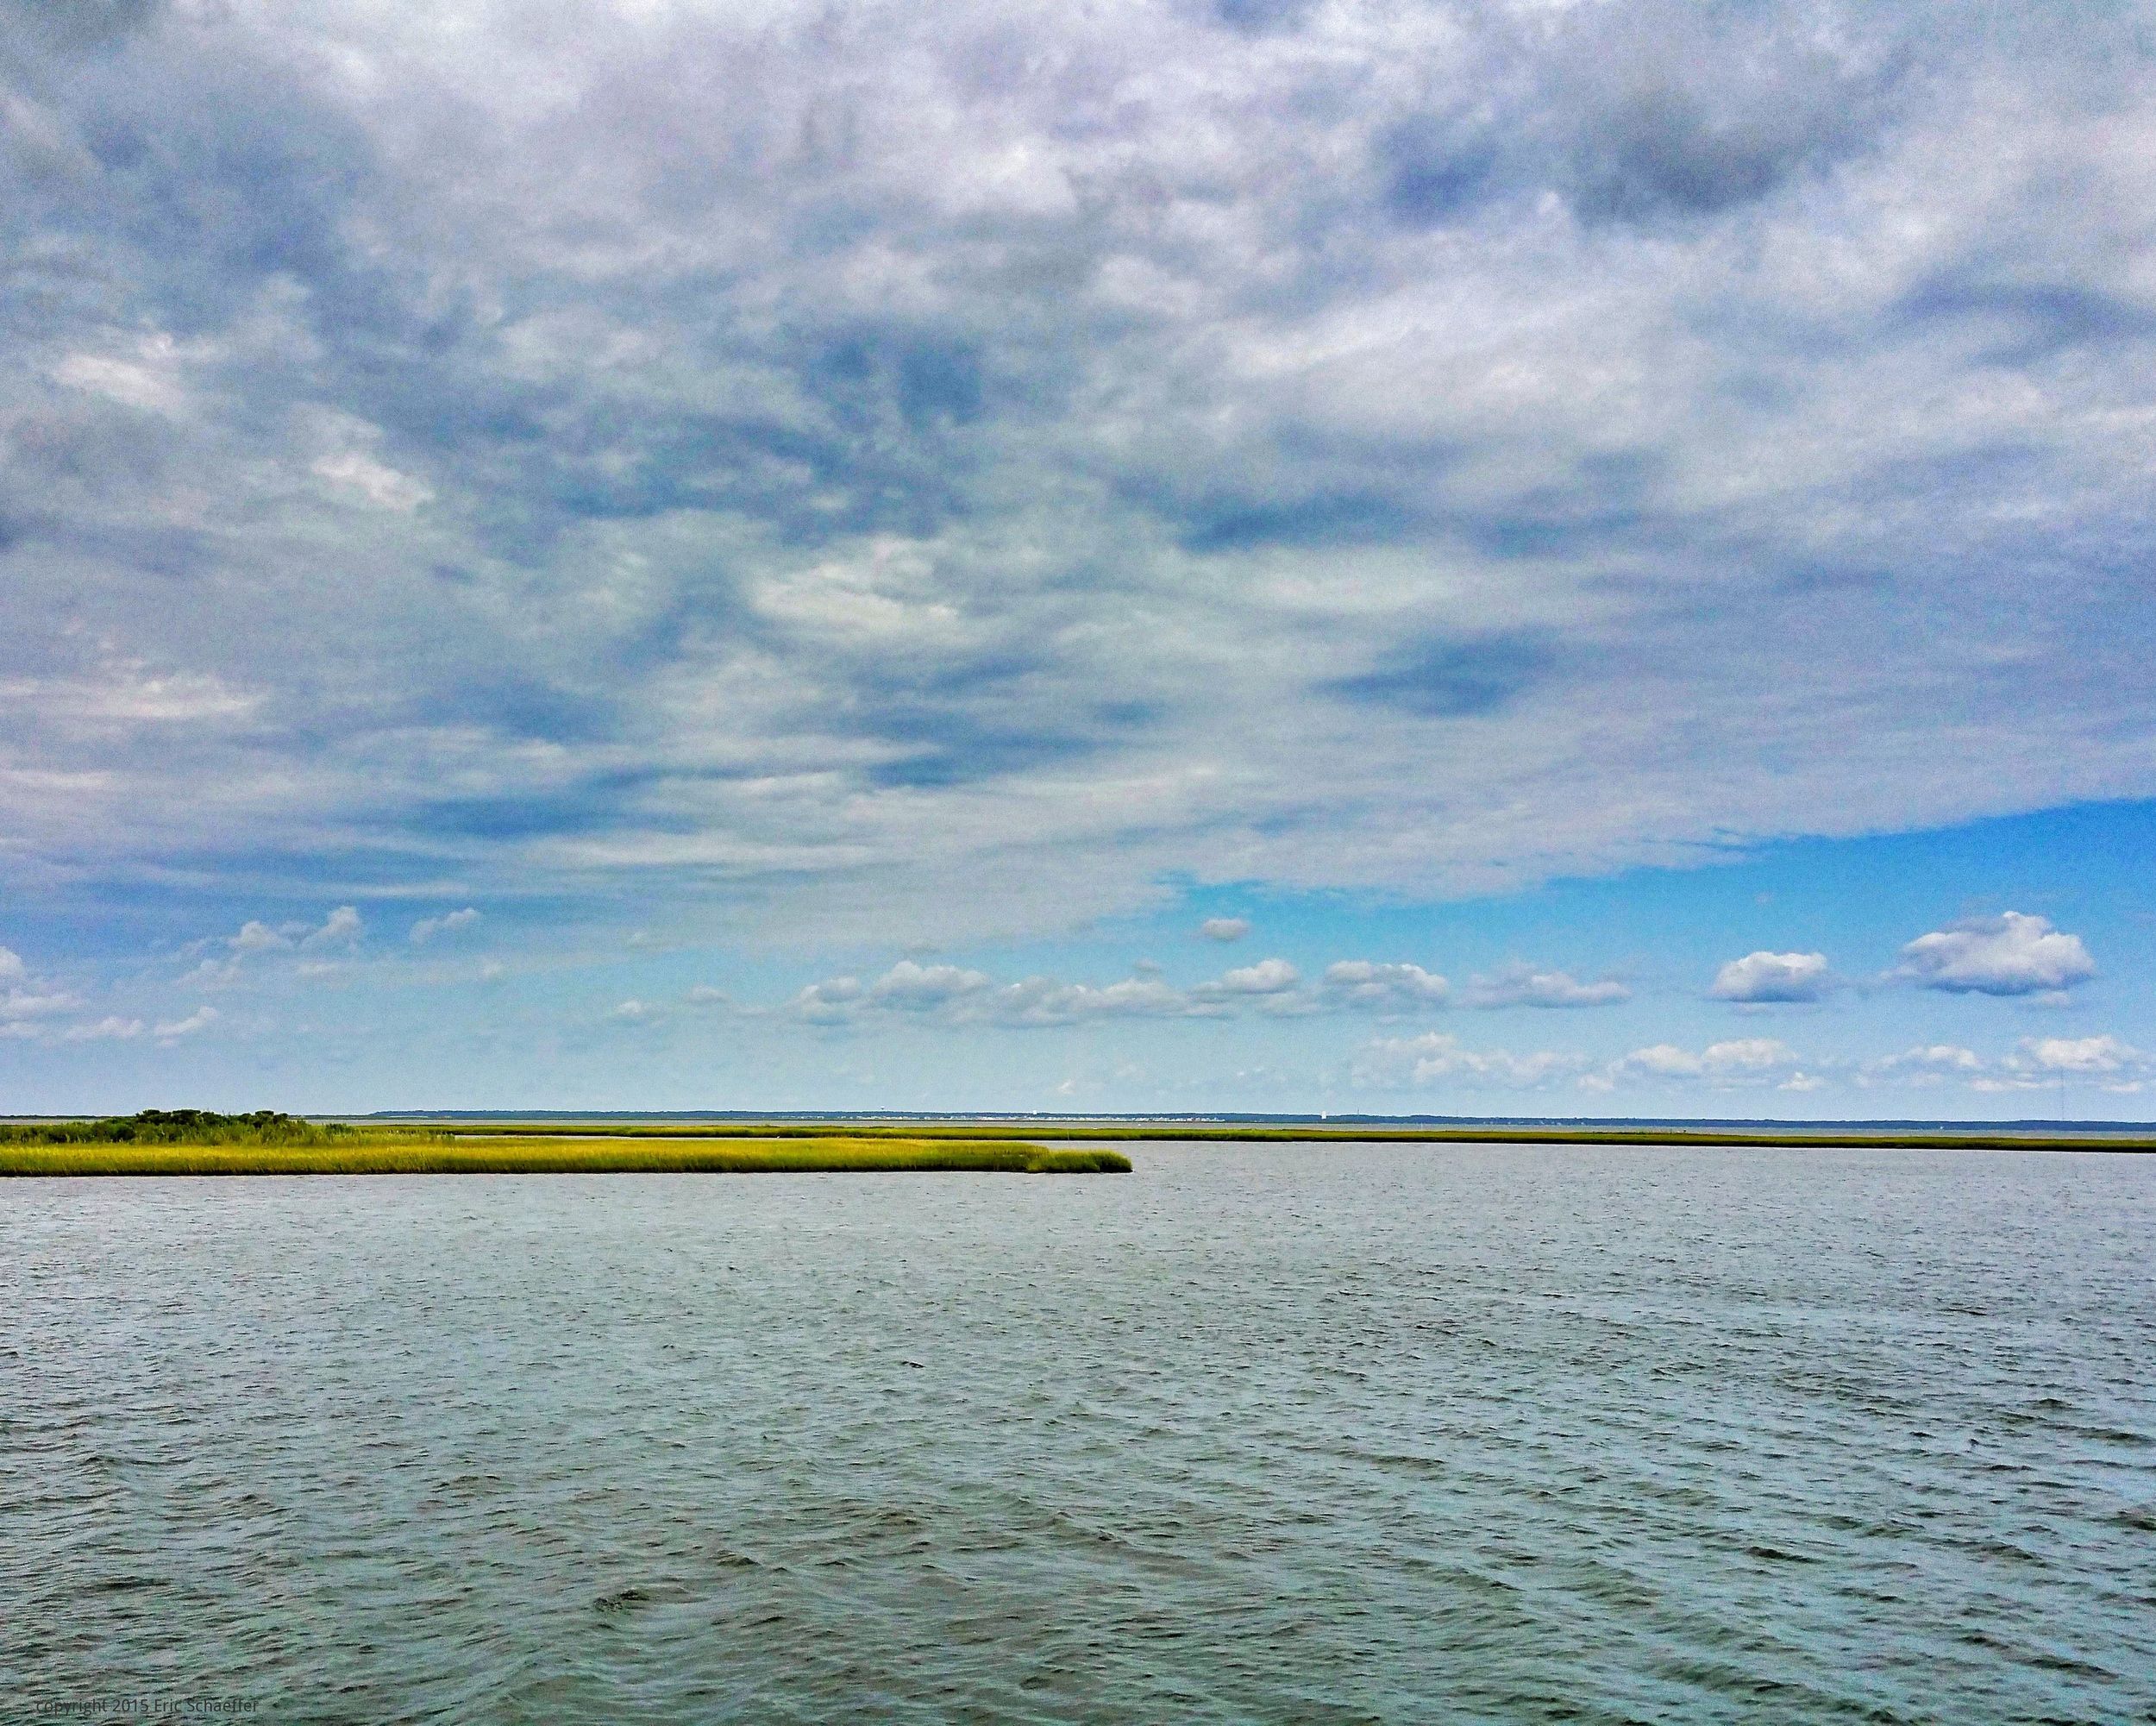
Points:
[(899, 473), (1417, 445)]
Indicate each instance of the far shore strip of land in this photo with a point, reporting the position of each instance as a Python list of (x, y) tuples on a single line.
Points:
[(1088, 1132), (196, 1142)]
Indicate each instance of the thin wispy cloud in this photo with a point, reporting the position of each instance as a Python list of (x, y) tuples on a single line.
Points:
[(199, 1021), (959, 995), (448, 922), (110, 1029), (1521, 985)]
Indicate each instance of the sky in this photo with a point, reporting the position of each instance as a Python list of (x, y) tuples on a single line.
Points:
[(1561, 558)]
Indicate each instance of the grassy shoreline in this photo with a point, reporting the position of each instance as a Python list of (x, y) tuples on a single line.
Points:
[(995, 1132), (361, 1154), (194, 1142)]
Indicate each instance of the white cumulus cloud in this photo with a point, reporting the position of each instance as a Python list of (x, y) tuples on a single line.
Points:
[(2010, 954), (2089, 1057), (2037, 1063), (837, 1000), (912, 987), (1765, 977), (1928, 1064), (255, 937), (1267, 976), (341, 926), (1383, 988), (1224, 928)]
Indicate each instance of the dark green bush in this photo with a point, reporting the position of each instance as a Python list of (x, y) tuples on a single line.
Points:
[(177, 1126)]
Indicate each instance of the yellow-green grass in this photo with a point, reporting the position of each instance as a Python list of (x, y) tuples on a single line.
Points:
[(362, 1153), (2064, 1139)]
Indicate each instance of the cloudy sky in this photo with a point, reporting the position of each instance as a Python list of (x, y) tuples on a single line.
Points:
[(1563, 556)]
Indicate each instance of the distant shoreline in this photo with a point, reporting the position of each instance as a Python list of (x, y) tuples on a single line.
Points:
[(996, 1131), (1033, 1120), (194, 1142)]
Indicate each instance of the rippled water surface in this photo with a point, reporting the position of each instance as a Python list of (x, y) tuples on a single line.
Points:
[(1256, 1434)]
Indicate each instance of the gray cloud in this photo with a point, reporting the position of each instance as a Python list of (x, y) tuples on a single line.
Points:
[(952, 471), (1647, 113), (1450, 679)]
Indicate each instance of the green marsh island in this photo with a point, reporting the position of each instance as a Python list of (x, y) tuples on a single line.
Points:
[(199, 1142)]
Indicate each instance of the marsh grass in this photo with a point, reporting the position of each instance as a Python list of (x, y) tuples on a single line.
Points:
[(356, 1153)]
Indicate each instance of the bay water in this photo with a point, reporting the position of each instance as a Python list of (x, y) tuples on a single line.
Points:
[(1255, 1433)]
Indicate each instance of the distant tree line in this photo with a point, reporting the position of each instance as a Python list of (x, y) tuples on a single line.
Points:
[(177, 1126)]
